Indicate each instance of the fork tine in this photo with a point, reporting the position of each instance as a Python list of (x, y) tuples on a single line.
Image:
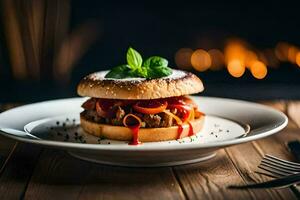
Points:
[(266, 173), (277, 168), (271, 170), (267, 159), (279, 165), (288, 163)]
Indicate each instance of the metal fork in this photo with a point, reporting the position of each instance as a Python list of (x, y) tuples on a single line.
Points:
[(286, 174), (276, 167)]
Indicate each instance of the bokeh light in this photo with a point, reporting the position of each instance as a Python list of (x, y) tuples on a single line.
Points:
[(201, 60), (236, 68), (258, 69), (250, 57), (183, 58), (298, 59), (234, 50), (292, 52), (237, 56), (217, 59)]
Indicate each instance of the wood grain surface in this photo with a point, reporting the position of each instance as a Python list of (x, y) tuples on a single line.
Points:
[(32, 172)]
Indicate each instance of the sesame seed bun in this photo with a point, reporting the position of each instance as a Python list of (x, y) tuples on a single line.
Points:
[(145, 134), (177, 84)]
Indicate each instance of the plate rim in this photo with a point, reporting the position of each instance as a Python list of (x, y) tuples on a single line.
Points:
[(183, 146), (28, 127)]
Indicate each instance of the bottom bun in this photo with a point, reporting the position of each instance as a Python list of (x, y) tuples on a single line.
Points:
[(145, 134)]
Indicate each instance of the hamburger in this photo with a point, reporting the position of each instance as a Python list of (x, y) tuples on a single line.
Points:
[(141, 102)]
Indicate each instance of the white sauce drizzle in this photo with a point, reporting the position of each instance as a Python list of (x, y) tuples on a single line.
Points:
[(176, 74)]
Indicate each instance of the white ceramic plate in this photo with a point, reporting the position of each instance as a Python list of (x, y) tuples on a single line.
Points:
[(56, 124)]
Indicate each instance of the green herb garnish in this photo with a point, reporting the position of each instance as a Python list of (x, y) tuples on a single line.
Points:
[(153, 67)]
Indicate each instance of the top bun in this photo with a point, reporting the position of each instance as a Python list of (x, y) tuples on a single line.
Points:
[(177, 84)]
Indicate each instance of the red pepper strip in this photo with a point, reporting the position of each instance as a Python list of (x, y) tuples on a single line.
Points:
[(146, 110), (177, 119), (186, 110)]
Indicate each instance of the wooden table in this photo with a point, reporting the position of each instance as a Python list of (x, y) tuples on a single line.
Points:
[(32, 172)]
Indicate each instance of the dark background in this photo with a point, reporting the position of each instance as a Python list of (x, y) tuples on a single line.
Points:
[(161, 28)]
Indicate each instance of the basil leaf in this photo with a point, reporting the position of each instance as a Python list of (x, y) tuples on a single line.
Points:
[(119, 72), (134, 59), (141, 72), (153, 67), (156, 61), (158, 72), (157, 67)]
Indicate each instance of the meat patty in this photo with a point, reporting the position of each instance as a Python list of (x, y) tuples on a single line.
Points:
[(152, 121), (166, 121)]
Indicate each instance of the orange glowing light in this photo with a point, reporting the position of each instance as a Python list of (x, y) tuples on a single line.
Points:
[(298, 59), (259, 70), (236, 68), (217, 59), (250, 57), (292, 52), (183, 58), (281, 51), (201, 60), (235, 49)]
